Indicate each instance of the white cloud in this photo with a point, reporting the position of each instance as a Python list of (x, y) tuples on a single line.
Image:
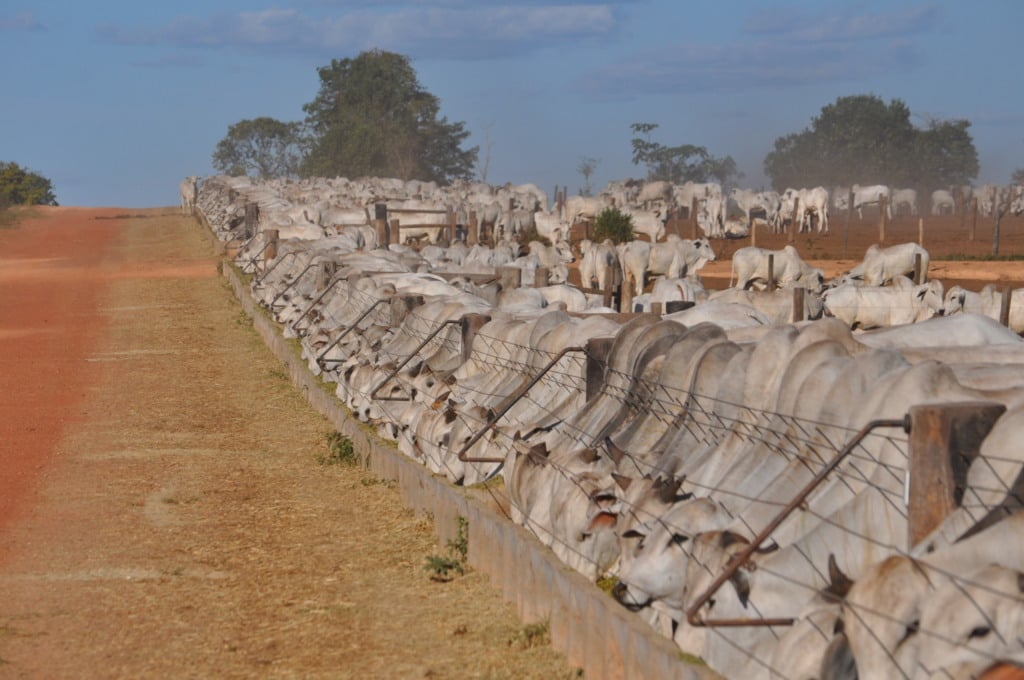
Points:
[(20, 21), (458, 32)]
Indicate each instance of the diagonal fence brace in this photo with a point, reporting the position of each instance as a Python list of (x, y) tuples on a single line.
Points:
[(252, 260), (259, 279), (290, 285), (355, 324), (509, 403), (314, 303), (406, 360), (693, 611)]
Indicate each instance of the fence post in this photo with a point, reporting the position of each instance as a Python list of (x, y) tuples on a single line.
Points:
[(394, 235), (920, 231), (883, 203), (657, 308), (270, 240), (380, 223), (598, 351), (944, 439), (626, 293), (974, 215), (470, 326), (252, 219), (614, 280), (473, 237), (846, 229), (401, 305), (796, 220), (510, 277), (451, 226), (753, 233), (798, 304), (771, 272), (1004, 306), (693, 218), (918, 274)]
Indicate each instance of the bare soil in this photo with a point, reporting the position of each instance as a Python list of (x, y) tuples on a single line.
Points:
[(164, 513)]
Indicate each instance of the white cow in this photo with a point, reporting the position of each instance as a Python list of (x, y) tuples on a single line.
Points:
[(596, 263), (189, 191), (882, 265), (812, 202), (987, 301), (678, 257), (904, 197), (870, 195), (943, 202), (750, 267), (881, 306), (647, 222), (749, 201)]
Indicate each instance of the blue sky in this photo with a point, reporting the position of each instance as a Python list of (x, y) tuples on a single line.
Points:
[(117, 100)]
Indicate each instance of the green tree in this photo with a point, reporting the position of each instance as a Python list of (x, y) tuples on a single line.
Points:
[(372, 117), (261, 147), (20, 186), (861, 139), (586, 168), (679, 164)]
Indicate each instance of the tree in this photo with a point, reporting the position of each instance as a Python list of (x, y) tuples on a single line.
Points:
[(20, 186), (371, 116), (860, 139), (586, 168), (262, 147), (1017, 177), (679, 164)]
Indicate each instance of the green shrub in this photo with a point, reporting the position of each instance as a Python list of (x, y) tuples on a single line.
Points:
[(612, 223), (340, 451), (441, 566)]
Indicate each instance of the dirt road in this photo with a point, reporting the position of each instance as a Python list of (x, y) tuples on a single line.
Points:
[(162, 510)]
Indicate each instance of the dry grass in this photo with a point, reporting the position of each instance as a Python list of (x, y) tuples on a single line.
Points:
[(190, 530)]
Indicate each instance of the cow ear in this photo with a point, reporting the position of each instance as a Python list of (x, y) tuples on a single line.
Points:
[(920, 295), (728, 538), (963, 298), (614, 452), (632, 533), (622, 481), (589, 455), (667, 491), (678, 539)]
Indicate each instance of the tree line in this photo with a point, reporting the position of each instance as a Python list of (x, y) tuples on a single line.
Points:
[(21, 186), (372, 117)]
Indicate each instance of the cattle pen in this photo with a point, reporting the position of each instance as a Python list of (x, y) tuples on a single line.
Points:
[(460, 392)]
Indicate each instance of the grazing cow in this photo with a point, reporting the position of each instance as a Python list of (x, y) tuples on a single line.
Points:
[(904, 197), (750, 267), (943, 202), (878, 306), (678, 257), (189, 191), (882, 265), (870, 195)]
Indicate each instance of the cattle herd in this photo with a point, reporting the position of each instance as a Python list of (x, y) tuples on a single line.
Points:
[(661, 450)]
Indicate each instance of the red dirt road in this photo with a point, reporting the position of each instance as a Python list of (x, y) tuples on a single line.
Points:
[(50, 285)]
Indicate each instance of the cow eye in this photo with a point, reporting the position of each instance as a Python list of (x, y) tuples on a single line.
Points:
[(980, 631)]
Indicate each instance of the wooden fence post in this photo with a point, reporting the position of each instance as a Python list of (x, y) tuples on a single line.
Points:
[(252, 219), (796, 222), (693, 218), (394, 235), (510, 277), (470, 326), (771, 272), (598, 351), (1004, 306), (324, 275), (883, 205), (540, 277), (626, 293), (380, 223), (920, 231), (270, 243), (613, 283), (974, 216), (473, 237), (918, 274), (798, 304), (753, 233), (944, 439), (846, 229), (657, 308)]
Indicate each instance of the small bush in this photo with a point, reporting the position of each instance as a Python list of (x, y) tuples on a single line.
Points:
[(441, 566), (339, 451), (532, 635), (612, 223), (531, 234)]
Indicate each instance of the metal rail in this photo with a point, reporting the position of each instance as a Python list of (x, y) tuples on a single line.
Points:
[(293, 282), (252, 260), (430, 336), (314, 303), (355, 324), (741, 558), (509, 403), (259, 279)]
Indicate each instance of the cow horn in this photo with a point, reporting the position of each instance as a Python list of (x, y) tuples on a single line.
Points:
[(839, 583), (614, 452)]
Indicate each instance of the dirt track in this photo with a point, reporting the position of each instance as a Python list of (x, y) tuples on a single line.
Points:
[(168, 516)]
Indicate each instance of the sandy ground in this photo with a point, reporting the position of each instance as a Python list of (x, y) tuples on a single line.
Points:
[(164, 511)]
